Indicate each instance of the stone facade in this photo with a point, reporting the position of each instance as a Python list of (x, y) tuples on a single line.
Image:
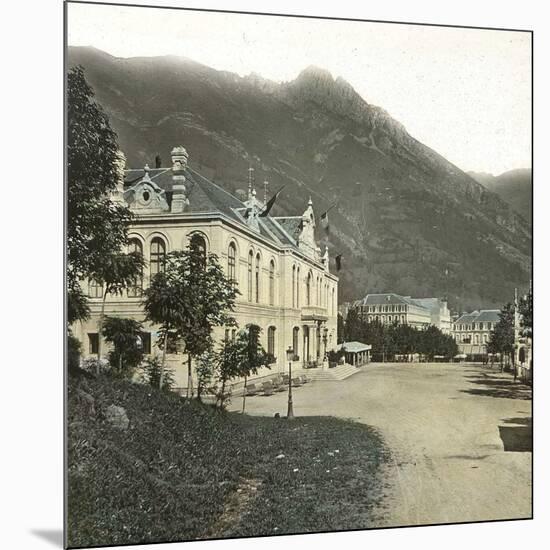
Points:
[(285, 283)]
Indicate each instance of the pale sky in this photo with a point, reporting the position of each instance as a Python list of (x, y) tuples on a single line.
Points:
[(466, 93)]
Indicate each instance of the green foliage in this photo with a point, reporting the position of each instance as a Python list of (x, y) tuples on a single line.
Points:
[(151, 374), (501, 339), (334, 356), (398, 339), (526, 312), (96, 227), (227, 367), (118, 271), (125, 335), (190, 297), (169, 476), (340, 328), (74, 349), (251, 355), (77, 304), (205, 368)]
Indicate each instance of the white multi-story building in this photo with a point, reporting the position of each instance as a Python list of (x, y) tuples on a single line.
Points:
[(392, 308), (284, 280), (473, 330)]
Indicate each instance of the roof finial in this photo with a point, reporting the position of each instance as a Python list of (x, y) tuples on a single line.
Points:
[(310, 202), (266, 183), (250, 180)]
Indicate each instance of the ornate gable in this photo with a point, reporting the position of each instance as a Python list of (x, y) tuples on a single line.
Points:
[(306, 238), (146, 197)]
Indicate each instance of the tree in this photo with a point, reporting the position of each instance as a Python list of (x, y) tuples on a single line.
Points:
[(340, 328), (150, 374), (116, 272), (190, 297), (96, 226), (205, 368), (352, 327), (526, 311), (250, 354), (125, 335), (227, 367), (501, 339)]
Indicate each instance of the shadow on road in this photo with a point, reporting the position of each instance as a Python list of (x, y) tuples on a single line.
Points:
[(493, 385), (518, 438)]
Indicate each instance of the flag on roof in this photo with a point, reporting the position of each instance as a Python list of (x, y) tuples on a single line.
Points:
[(324, 218), (270, 203)]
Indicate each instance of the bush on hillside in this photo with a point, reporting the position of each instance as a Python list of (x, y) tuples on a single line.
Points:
[(150, 374)]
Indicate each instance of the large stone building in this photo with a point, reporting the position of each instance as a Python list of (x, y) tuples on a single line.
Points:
[(284, 279), (392, 308), (472, 331)]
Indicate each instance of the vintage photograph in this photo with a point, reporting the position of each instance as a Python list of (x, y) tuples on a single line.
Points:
[(298, 274)]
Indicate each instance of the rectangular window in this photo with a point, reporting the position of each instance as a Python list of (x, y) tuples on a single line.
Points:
[(93, 342), (95, 289), (146, 342), (271, 340)]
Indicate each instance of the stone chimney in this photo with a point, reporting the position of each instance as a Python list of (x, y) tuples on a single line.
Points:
[(179, 164)]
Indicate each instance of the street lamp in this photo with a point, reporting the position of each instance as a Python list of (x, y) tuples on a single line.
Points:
[(290, 356), (325, 338)]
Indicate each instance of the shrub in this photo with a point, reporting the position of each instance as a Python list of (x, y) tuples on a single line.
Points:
[(150, 374), (74, 349), (96, 366)]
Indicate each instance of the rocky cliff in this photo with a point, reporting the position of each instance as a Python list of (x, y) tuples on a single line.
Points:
[(406, 220)]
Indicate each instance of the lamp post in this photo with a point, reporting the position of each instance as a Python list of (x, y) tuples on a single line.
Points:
[(290, 356)]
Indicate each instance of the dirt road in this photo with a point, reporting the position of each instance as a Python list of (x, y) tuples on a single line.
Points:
[(460, 437)]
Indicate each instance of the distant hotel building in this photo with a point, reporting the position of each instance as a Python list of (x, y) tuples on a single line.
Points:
[(392, 308), (472, 331)]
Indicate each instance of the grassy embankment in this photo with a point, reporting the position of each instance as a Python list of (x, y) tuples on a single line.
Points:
[(184, 471)]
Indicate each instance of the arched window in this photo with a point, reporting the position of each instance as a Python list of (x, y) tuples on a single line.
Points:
[(271, 341), (294, 286), (295, 340), (249, 275), (298, 287), (134, 291), (318, 289), (308, 288), (158, 256), (231, 264), (271, 283), (198, 243), (257, 279)]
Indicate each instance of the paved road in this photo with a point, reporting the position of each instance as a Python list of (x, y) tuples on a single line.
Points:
[(460, 437)]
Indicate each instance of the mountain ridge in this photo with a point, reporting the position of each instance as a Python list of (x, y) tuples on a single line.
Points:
[(405, 215), (513, 186)]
